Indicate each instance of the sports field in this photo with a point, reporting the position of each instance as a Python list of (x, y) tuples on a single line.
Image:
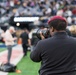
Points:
[(27, 66), (2, 49)]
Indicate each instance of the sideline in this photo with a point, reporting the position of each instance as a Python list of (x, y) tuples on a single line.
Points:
[(17, 55)]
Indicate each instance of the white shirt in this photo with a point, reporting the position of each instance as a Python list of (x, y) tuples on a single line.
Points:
[(9, 40)]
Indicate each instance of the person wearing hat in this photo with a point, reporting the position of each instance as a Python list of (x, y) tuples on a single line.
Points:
[(57, 54), (9, 41)]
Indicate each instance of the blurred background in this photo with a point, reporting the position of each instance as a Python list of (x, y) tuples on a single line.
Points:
[(33, 14)]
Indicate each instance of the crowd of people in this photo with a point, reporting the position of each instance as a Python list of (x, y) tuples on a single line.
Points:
[(42, 8)]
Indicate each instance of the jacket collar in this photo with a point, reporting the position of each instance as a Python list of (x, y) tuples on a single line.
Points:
[(60, 34)]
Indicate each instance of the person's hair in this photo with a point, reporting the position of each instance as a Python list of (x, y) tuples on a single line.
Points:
[(58, 24), (73, 29)]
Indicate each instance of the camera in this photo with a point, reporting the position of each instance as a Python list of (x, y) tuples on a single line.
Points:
[(45, 32), (36, 35)]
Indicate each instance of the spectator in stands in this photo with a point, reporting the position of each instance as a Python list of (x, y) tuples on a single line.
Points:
[(58, 53), (74, 11), (73, 30), (60, 12)]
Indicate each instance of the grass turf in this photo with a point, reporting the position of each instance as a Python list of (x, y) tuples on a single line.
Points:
[(2, 49), (27, 66)]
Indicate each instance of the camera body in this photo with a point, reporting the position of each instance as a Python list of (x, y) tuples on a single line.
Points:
[(37, 37), (45, 32)]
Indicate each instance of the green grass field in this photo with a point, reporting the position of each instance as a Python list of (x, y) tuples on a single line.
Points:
[(27, 66), (2, 49)]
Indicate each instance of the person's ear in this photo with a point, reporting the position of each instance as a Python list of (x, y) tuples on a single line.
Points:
[(52, 29)]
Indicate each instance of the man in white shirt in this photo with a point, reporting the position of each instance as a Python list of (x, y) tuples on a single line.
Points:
[(9, 41)]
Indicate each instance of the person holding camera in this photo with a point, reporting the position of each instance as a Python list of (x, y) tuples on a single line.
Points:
[(57, 54)]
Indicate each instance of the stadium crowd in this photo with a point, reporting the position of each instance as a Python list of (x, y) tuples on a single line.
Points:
[(42, 8)]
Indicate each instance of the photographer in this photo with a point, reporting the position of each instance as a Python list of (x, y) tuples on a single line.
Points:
[(57, 54)]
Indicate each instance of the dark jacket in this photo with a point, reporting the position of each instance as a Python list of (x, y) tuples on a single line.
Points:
[(24, 37), (57, 55)]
